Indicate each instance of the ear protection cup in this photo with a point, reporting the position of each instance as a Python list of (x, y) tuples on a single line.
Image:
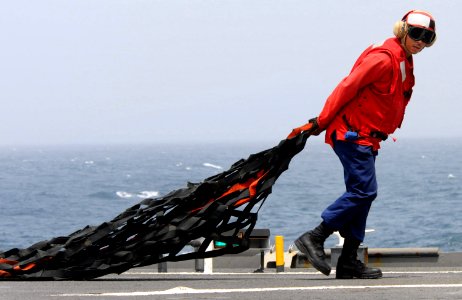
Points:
[(400, 29)]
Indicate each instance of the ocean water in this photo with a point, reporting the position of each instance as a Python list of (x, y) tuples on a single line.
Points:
[(53, 191)]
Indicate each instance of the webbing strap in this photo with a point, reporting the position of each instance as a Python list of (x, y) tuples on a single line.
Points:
[(160, 229)]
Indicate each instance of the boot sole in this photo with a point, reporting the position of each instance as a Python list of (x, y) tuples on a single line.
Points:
[(351, 276), (305, 251)]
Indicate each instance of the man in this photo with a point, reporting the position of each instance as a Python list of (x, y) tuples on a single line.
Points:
[(363, 109)]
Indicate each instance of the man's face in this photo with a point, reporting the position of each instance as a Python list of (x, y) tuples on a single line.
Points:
[(418, 38), (413, 47)]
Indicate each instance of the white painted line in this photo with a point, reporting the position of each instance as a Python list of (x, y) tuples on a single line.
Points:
[(186, 290), (424, 272), (218, 273), (278, 274)]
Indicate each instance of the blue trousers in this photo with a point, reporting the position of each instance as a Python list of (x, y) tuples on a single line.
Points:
[(348, 214)]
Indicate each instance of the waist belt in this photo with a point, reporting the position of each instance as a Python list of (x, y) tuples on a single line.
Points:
[(375, 134)]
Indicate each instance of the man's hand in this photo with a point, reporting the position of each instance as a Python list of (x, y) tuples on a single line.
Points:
[(315, 130)]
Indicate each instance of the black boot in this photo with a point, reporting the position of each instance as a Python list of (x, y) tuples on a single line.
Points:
[(349, 266), (311, 244)]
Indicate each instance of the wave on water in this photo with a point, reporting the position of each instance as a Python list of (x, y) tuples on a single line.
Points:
[(206, 164), (124, 195), (142, 195), (209, 165), (148, 194)]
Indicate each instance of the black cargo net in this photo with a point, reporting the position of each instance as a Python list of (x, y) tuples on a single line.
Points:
[(160, 229)]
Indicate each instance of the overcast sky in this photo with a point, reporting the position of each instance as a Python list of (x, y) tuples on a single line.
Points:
[(145, 71)]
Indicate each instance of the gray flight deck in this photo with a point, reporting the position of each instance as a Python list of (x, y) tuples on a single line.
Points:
[(405, 276)]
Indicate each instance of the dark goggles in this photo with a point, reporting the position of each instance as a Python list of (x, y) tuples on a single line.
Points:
[(421, 34)]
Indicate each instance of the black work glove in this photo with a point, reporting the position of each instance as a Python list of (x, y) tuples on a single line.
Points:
[(315, 130)]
